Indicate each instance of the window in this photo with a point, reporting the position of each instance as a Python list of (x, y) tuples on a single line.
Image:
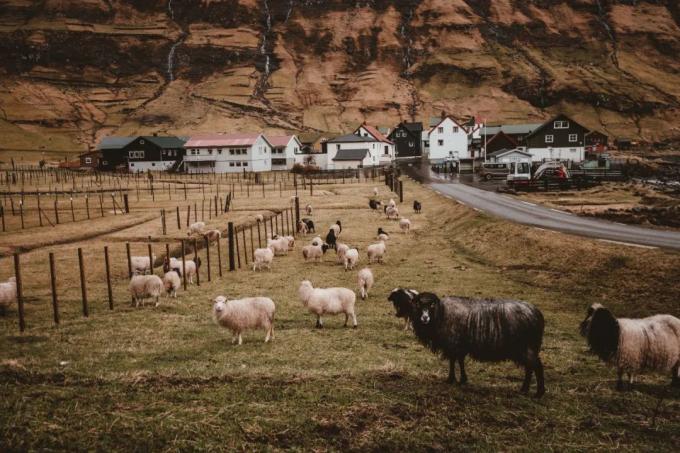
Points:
[(455, 129), (136, 154), (573, 150), (549, 138), (245, 164), (153, 164), (219, 151), (231, 164), (387, 151), (210, 151), (337, 147), (440, 130), (573, 138), (88, 160), (141, 142), (231, 152), (561, 125), (440, 142)]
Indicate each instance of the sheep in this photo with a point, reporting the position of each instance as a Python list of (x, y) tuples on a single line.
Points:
[(351, 258), (365, 280), (340, 250), (212, 235), (291, 242), (382, 235), (191, 267), (196, 228), (279, 246), (317, 241), (337, 227), (314, 252), (376, 252), (308, 209), (392, 213), (302, 227), (259, 218), (320, 301), (8, 293), (375, 191), (140, 264), (403, 301), (405, 225), (242, 314), (310, 225), (331, 238), (487, 330), (634, 345), (374, 204), (391, 204), (171, 282), (417, 206), (263, 258), (143, 286)]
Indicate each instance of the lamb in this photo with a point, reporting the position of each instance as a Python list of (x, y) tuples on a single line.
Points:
[(171, 282), (243, 314), (403, 301), (340, 250), (191, 268), (351, 258), (302, 227), (308, 209), (392, 212), (317, 241), (374, 204), (391, 203), (417, 206), (382, 235), (320, 301), (405, 225), (314, 252), (212, 235), (375, 191), (310, 225), (365, 280), (634, 345), (263, 258), (140, 264), (331, 238), (487, 330), (196, 228), (8, 293), (279, 246), (376, 252), (144, 286), (259, 218), (291, 242)]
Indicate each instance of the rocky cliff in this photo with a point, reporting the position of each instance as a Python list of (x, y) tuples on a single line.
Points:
[(74, 70)]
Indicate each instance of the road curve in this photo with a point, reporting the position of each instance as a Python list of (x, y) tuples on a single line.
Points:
[(524, 212)]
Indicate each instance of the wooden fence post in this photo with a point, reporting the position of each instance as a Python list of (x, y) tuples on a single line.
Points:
[(238, 250), (150, 256), (252, 243), (259, 236), (245, 247), (219, 257), (207, 256), (188, 214), (297, 210), (401, 191), (179, 225), (126, 204), (184, 263), (108, 276), (20, 296), (198, 268), (230, 243), (21, 212), (53, 285), (83, 286)]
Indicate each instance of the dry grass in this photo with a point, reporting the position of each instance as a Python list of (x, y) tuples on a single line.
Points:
[(167, 378)]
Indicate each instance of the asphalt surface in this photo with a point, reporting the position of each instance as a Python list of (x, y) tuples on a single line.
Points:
[(524, 212)]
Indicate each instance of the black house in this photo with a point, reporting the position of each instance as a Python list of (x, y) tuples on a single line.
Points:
[(407, 138), (112, 152), (560, 138), (136, 154)]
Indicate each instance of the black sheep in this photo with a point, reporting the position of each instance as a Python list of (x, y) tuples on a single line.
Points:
[(417, 206), (487, 330), (402, 299), (331, 239), (373, 204), (310, 225)]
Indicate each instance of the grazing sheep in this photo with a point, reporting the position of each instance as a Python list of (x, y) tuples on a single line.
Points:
[(310, 225), (382, 235), (351, 258), (330, 301), (196, 228), (365, 280), (331, 238), (143, 286), (263, 258), (171, 282), (8, 293), (376, 252), (291, 242), (634, 345), (392, 213), (417, 207), (212, 235), (391, 204), (374, 204), (375, 191), (191, 267), (405, 225), (140, 264), (317, 241), (243, 314), (487, 330), (279, 246), (308, 209), (403, 301), (340, 250), (302, 227), (314, 252), (259, 218)]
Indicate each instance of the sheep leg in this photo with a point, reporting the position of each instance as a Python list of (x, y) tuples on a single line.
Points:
[(528, 372), (346, 319), (619, 380), (452, 372), (158, 302), (463, 375), (319, 322), (354, 320), (540, 379), (406, 324), (630, 381)]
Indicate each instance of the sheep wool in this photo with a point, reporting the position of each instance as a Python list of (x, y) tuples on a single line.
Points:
[(171, 282), (392, 212), (405, 225), (8, 293), (351, 259), (376, 252), (320, 301), (144, 286), (314, 252), (263, 258), (140, 264), (279, 246), (365, 280), (191, 268), (340, 250), (196, 228), (245, 314)]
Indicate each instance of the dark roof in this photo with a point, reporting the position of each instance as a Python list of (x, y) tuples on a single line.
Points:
[(351, 138), (501, 134), (413, 127), (165, 141), (351, 154), (114, 142), (552, 120), (514, 129)]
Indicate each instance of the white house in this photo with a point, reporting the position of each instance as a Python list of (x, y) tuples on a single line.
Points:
[(386, 151), (216, 153), (560, 138), (284, 150), (448, 139), (509, 155), (353, 151)]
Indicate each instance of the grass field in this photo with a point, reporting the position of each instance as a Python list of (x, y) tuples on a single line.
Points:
[(167, 378)]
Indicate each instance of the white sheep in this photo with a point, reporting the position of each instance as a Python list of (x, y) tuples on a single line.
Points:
[(191, 268), (320, 301), (302, 227), (196, 228), (144, 286), (375, 191), (336, 229), (351, 258), (259, 218), (340, 250), (279, 245), (212, 235), (405, 225), (376, 252), (314, 252), (291, 242), (171, 282), (263, 258), (365, 280), (140, 264), (392, 212), (243, 314), (308, 209), (8, 293), (317, 241), (383, 237), (391, 203)]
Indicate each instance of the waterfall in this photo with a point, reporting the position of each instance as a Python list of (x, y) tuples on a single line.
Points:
[(171, 12), (171, 61), (404, 33), (263, 46), (290, 10)]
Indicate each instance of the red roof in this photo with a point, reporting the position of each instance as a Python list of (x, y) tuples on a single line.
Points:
[(279, 140), (375, 133), (208, 140)]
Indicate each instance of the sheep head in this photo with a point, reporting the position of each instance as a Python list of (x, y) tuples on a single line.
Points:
[(426, 308), (304, 290), (220, 305), (402, 299), (602, 330)]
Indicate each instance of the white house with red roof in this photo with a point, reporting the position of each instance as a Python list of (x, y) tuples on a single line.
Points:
[(386, 152), (448, 139), (284, 151), (228, 153)]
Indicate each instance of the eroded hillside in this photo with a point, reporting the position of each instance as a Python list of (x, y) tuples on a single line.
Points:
[(73, 70)]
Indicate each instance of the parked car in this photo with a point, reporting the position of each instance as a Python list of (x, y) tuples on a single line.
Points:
[(490, 170)]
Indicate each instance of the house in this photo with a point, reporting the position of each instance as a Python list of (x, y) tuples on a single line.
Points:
[(112, 151), (596, 142), (312, 142), (353, 151), (516, 131), (448, 140), (407, 139), (90, 159), (154, 152), (499, 141), (508, 155), (560, 138), (230, 153), (386, 147), (284, 149)]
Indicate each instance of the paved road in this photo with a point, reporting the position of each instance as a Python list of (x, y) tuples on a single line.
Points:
[(508, 207)]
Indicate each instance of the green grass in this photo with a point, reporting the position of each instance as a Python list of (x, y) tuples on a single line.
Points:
[(167, 378)]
